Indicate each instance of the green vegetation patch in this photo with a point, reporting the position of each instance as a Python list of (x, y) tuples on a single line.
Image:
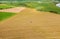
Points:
[(5, 6), (50, 7), (5, 15), (47, 7)]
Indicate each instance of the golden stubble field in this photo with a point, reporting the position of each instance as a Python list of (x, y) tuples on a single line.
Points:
[(31, 24)]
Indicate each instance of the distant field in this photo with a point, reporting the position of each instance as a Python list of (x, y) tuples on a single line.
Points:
[(5, 15), (48, 7), (5, 6)]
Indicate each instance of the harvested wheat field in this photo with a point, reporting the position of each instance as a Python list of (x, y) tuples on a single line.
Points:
[(31, 24), (14, 10)]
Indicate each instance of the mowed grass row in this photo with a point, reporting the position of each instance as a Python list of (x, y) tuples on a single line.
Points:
[(5, 15)]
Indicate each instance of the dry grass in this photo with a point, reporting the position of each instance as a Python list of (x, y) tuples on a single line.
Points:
[(31, 24)]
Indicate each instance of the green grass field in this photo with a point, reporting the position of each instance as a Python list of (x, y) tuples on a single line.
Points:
[(48, 7), (5, 15), (5, 6)]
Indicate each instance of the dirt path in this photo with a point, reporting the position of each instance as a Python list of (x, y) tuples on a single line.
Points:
[(31, 24), (14, 10)]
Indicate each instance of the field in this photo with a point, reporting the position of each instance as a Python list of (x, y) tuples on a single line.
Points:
[(29, 20), (40, 6), (4, 15), (47, 7), (31, 24), (5, 6)]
